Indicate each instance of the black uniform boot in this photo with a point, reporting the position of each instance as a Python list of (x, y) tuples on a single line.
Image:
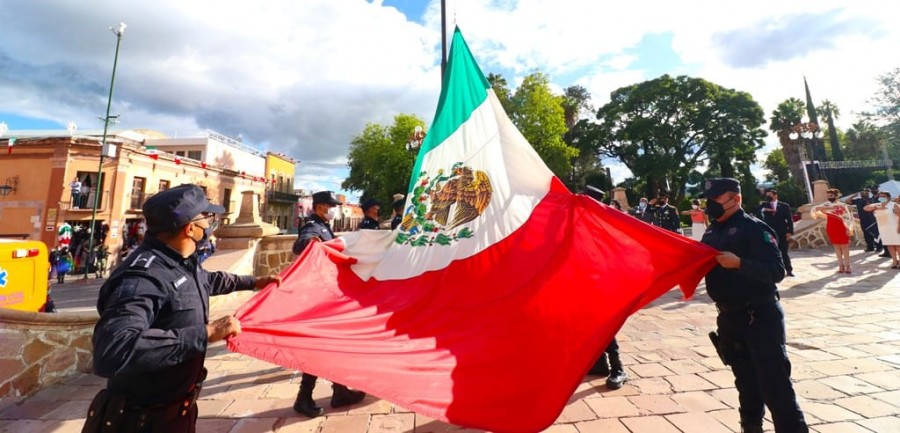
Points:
[(751, 428), (305, 405), (343, 396), (617, 375), (601, 367)]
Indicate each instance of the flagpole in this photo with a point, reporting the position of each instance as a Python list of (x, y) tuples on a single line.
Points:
[(103, 148), (443, 38)]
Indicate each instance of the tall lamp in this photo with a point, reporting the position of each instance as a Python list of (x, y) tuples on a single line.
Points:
[(118, 32)]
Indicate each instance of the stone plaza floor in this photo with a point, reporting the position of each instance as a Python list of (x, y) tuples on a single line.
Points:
[(843, 340)]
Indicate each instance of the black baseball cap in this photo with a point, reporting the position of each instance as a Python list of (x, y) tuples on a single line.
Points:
[(718, 186), (175, 207), (325, 197)]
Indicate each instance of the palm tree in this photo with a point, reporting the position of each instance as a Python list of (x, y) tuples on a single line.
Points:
[(788, 114)]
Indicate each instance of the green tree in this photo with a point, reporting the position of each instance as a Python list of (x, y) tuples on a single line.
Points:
[(664, 128), (864, 141), (540, 116), (777, 167), (379, 163), (576, 100), (501, 89), (828, 111)]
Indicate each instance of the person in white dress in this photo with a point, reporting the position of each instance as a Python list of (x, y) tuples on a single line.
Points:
[(887, 216)]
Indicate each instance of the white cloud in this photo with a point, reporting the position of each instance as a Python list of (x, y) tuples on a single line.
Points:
[(304, 77)]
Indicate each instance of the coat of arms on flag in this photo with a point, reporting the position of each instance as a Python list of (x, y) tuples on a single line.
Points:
[(497, 274)]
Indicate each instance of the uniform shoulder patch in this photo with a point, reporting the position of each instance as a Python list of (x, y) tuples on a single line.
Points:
[(769, 238)]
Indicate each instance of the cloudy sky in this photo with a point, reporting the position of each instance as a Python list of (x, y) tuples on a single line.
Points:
[(304, 77)]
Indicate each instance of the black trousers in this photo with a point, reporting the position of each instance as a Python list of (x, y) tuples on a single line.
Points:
[(785, 248), (308, 381), (870, 233), (754, 344)]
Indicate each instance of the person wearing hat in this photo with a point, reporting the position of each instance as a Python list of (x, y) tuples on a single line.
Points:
[(777, 214), (370, 208), (397, 208), (751, 332), (664, 214), (150, 341), (316, 227)]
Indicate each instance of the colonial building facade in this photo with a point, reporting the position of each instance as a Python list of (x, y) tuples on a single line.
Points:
[(44, 165)]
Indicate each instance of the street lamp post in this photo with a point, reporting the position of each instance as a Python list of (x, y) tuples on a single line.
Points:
[(118, 32)]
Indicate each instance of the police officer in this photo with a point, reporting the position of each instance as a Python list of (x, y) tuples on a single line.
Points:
[(609, 364), (398, 213), (370, 209), (751, 334), (316, 227), (151, 339), (777, 214), (664, 214)]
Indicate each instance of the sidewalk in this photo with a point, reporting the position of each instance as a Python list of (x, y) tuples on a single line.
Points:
[(843, 338)]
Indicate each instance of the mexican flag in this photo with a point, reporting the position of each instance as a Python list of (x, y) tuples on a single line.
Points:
[(495, 295)]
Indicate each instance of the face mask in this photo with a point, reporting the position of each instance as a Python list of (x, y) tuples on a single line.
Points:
[(643, 204), (204, 236), (832, 199), (771, 198), (882, 200), (332, 214), (714, 209), (695, 206)]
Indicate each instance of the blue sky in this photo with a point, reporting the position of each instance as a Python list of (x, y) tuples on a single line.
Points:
[(304, 77)]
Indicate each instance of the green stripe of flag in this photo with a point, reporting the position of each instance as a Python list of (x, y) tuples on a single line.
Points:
[(463, 90)]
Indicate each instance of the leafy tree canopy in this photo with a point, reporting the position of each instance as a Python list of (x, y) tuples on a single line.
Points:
[(540, 116), (379, 163), (663, 129)]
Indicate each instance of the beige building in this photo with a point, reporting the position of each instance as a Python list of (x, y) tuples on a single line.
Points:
[(42, 166)]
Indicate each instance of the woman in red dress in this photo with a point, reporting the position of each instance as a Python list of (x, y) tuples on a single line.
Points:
[(838, 226)]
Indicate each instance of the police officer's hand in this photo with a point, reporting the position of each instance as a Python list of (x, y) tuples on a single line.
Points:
[(728, 260), (262, 282), (223, 327)]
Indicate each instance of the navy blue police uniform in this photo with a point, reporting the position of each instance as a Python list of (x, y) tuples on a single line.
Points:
[(316, 227), (369, 223), (751, 321), (150, 342)]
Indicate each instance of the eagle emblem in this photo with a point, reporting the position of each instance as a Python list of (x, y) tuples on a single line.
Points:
[(442, 204)]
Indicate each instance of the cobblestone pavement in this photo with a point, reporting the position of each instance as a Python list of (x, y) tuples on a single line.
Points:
[(843, 338)]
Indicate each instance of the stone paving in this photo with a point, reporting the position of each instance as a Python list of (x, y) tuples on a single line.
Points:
[(843, 338)]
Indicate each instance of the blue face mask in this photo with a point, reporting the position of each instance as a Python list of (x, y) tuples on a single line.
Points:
[(882, 199)]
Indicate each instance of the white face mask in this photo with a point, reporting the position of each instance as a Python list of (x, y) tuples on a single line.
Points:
[(643, 204), (332, 214), (695, 206)]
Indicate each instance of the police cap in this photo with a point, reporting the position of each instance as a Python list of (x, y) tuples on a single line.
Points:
[(325, 197), (594, 193), (368, 203), (175, 207), (716, 187)]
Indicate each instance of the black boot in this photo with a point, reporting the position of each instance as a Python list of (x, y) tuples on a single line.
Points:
[(617, 375), (305, 405), (601, 367), (343, 396), (751, 428)]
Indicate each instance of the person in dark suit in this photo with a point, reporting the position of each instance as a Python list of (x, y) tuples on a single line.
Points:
[(777, 214), (642, 211), (866, 219), (398, 213)]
